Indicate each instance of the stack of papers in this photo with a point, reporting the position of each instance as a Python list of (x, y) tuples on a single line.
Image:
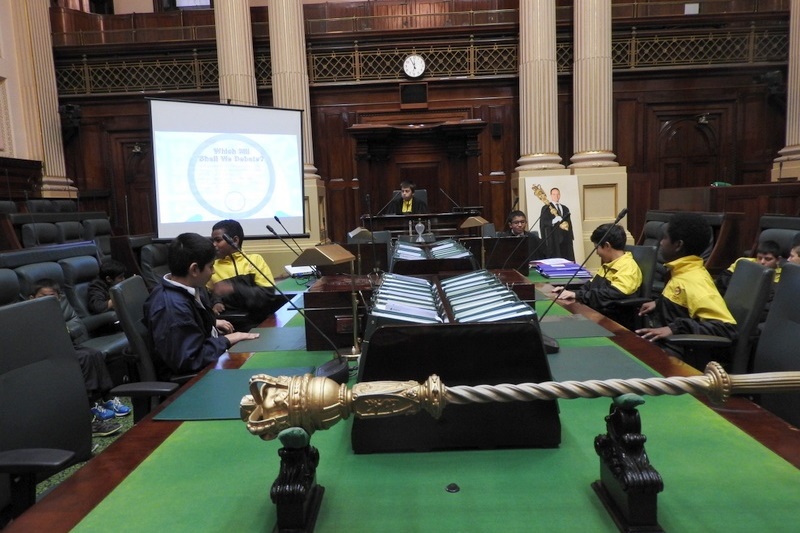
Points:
[(560, 268), (299, 272)]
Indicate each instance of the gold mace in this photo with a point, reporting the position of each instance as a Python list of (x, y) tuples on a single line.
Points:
[(540, 194), (312, 403)]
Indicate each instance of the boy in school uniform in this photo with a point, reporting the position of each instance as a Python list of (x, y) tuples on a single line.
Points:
[(689, 303), (185, 334)]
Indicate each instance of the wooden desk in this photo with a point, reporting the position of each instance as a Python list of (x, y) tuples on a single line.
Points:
[(441, 224), (63, 508)]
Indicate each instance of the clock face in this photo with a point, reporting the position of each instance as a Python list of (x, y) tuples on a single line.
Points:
[(414, 66)]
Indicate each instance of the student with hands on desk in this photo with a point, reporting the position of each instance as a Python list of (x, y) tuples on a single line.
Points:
[(185, 335), (690, 302), (619, 275)]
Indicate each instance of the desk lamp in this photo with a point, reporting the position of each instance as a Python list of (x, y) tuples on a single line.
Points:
[(476, 222)]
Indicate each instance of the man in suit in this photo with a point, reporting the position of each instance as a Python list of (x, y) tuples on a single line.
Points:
[(407, 204), (556, 227)]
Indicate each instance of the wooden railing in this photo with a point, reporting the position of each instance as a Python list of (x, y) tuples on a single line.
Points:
[(76, 28)]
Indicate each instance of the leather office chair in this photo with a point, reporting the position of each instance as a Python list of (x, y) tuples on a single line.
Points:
[(38, 374), (8, 206), (79, 272), (99, 231), (69, 231), (64, 206), (129, 297), (153, 263), (777, 346), (38, 234), (778, 228), (746, 297), (9, 287), (626, 310), (420, 194), (39, 205)]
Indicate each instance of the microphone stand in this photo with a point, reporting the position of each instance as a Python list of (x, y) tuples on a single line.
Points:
[(594, 248), (394, 197), (375, 269), (287, 233), (522, 239), (338, 368), (455, 204), (272, 230)]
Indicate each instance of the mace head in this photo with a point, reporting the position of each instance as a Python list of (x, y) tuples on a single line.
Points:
[(278, 403)]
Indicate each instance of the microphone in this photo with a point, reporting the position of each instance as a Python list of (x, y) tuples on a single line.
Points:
[(272, 230), (394, 197), (287, 232), (516, 203), (620, 216), (455, 204), (369, 203), (337, 369)]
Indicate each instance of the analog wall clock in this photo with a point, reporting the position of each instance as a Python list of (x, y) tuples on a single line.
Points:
[(414, 66)]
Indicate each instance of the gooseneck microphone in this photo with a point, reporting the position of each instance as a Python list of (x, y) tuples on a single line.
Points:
[(295, 252), (620, 216), (393, 198), (287, 232), (337, 369), (455, 204), (521, 240)]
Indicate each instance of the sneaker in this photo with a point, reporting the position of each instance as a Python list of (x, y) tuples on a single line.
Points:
[(119, 408), (102, 413), (104, 428)]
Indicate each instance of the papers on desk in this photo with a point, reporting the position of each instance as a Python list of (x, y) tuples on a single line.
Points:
[(299, 272)]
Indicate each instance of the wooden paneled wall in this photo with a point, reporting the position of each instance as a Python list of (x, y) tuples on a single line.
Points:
[(683, 130)]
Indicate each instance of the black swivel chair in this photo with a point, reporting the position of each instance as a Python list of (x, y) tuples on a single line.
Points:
[(777, 345), (746, 297), (38, 374), (153, 263), (129, 297), (626, 310)]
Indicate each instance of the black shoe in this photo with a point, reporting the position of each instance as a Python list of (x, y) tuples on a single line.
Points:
[(104, 428)]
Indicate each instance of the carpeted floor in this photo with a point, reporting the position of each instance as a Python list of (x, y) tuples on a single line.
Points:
[(98, 445)]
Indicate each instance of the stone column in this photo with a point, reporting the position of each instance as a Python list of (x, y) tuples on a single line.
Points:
[(538, 86), (290, 91), (592, 89), (41, 95), (289, 70), (787, 165), (237, 79)]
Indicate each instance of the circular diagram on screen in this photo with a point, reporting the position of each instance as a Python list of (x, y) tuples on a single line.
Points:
[(231, 176)]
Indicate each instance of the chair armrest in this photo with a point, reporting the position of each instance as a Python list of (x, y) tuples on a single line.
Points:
[(182, 378), (700, 341), (30, 460), (630, 302), (144, 389)]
